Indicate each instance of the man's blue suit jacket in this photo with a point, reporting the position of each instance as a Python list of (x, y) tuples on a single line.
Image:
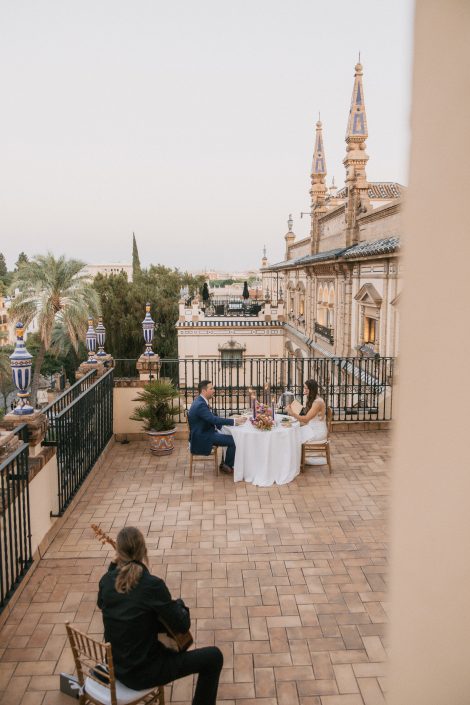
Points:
[(202, 426)]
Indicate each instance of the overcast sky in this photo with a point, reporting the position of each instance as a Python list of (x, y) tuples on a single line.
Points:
[(189, 122)]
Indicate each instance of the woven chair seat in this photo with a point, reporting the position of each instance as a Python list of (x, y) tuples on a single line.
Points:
[(124, 695)]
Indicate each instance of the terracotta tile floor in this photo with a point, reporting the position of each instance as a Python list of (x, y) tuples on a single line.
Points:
[(288, 581)]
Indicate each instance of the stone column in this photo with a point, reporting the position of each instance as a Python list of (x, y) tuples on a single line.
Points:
[(267, 311), (101, 366), (348, 344), (148, 367), (195, 310), (37, 427)]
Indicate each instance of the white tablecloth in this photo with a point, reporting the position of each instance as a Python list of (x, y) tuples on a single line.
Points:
[(266, 457)]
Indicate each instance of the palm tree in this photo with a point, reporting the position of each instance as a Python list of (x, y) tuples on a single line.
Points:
[(60, 297), (6, 381)]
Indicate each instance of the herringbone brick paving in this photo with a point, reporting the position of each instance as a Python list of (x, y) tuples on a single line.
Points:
[(288, 581)]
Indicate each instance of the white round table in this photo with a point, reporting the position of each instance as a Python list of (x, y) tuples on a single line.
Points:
[(266, 457)]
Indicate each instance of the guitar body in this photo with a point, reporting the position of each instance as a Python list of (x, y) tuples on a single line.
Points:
[(182, 641)]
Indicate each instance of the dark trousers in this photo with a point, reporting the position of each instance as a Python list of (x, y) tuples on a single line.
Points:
[(220, 439), (206, 662)]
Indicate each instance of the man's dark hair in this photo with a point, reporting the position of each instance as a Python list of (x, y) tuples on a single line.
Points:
[(203, 385)]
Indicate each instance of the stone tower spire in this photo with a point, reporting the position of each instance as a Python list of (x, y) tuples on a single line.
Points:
[(264, 261), (289, 237), (356, 158), (318, 189)]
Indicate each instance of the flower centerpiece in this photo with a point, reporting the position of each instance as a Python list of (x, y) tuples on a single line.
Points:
[(263, 419)]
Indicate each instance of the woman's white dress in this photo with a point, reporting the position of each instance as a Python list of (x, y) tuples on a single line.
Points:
[(315, 431)]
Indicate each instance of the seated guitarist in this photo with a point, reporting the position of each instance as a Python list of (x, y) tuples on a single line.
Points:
[(133, 601)]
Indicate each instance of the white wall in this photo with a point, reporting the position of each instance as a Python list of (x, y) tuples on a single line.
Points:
[(43, 497)]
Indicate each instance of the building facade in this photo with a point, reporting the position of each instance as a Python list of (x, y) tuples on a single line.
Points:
[(92, 270), (329, 310), (341, 285)]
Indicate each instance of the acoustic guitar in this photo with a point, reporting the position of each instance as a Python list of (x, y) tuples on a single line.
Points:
[(182, 641)]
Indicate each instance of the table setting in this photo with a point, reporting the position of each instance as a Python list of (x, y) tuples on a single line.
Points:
[(268, 445)]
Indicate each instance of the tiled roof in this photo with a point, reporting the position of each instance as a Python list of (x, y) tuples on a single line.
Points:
[(308, 259), (375, 247), (383, 246), (321, 256), (378, 189)]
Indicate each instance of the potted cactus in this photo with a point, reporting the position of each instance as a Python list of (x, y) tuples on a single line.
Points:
[(157, 413)]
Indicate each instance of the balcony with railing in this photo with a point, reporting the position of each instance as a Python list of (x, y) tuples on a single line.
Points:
[(325, 332), (232, 307), (78, 468)]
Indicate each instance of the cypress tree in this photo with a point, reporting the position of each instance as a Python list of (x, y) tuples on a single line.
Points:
[(136, 268), (3, 267), (22, 259)]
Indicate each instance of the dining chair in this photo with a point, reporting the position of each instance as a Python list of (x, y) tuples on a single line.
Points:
[(194, 457), (97, 682), (319, 448)]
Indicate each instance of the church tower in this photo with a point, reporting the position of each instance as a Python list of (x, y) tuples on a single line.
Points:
[(356, 159), (318, 189)]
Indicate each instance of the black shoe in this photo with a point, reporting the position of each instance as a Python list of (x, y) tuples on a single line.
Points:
[(226, 469)]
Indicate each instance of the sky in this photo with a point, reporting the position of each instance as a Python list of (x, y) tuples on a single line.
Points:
[(190, 123)]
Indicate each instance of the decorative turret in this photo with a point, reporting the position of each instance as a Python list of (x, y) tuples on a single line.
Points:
[(356, 158), (318, 189), (332, 199), (289, 237), (264, 261)]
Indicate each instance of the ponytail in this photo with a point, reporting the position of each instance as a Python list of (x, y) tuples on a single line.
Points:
[(128, 576), (131, 553)]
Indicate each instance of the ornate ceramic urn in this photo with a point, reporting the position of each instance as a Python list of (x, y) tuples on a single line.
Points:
[(21, 365), (101, 337), (148, 327), (91, 343)]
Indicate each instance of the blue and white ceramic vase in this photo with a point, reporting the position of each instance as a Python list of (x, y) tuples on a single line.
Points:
[(100, 337), (21, 364), (91, 342), (148, 327)]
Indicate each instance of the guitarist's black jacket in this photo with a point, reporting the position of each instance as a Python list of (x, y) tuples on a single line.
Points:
[(131, 623)]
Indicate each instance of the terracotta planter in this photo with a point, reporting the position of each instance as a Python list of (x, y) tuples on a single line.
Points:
[(162, 442)]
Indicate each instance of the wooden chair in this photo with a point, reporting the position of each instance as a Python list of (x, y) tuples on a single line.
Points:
[(96, 678), (319, 448), (193, 457)]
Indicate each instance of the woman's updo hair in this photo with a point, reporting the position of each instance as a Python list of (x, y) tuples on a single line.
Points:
[(130, 551), (312, 386)]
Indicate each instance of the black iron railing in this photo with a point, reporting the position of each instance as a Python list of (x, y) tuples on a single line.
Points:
[(325, 332), (15, 523), (67, 397), (81, 431), (357, 389), (125, 369)]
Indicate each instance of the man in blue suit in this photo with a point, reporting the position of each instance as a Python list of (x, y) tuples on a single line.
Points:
[(203, 425)]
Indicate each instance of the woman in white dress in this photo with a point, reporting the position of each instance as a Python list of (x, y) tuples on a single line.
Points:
[(312, 419)]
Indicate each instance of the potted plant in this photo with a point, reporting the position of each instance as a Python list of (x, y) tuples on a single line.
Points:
[(157, 413)]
